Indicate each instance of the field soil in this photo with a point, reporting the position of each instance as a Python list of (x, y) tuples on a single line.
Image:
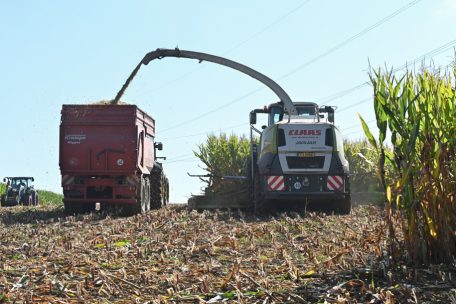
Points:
[(174, 255)]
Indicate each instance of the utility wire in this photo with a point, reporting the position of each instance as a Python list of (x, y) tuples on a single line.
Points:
[(186, 160), (236, 46), (358, 125), (337, 95), (275, 22), (430, 54), (315, 59), (358, 131), (352, 38), (214, 110), (341, 93), (354, 104), (206, 132)]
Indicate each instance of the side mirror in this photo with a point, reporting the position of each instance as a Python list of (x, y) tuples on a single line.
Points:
[(331, 117), (4, 179), (263, 127), (253, 119), (159, 146), (33, 179)]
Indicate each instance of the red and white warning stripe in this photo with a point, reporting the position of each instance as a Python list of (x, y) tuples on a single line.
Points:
[(276, 183), (334, 182)]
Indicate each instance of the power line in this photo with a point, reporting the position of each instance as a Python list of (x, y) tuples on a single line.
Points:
[(187, 160), (204, 133), (355, 104), (277, 21), (186, 155), (429, 54), (352, 38), (214, 110), (236, 46), (315, 59), (341, 93), (358, 131), (358, 125)]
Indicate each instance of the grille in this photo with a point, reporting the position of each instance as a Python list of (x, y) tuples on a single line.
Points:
[(296, 162)]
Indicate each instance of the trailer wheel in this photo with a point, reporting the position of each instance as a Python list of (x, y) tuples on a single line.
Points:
[(165, 190), (158, 190), (73, 208), (140, 205), (145, 202)]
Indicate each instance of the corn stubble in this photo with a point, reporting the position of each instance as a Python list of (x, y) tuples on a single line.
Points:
[(173, 255), (418, 110)]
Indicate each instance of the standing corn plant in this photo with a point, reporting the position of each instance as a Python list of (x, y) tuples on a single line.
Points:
[(420, 113), (224, 155)]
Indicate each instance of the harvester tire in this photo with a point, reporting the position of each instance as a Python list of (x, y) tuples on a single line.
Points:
[(258, 198), (3, 200), (343, 206)]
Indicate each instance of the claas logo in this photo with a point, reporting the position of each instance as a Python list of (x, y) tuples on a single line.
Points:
[(304, 132)]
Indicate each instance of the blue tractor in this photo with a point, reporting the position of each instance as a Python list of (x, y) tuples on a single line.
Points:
[(19, 190)]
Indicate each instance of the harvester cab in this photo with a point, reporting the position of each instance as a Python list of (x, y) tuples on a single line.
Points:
[(19, 190), (299, 158)]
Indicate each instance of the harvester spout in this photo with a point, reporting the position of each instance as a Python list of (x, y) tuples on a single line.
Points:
[(288, 105)]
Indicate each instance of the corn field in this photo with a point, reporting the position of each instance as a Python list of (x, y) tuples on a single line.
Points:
[(418, 111), (363, 159), (224, 155)]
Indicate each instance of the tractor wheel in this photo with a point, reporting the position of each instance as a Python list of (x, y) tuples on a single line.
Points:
[(158, 190), (34, 198)]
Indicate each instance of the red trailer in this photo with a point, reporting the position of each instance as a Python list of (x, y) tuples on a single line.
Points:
[(108, 156)]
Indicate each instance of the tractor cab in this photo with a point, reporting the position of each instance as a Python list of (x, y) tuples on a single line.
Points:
[(17, 182)]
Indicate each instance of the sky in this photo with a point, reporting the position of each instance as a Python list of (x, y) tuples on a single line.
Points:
[(75, 52)]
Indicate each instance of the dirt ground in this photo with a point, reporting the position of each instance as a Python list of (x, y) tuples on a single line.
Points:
[(174, 255)]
